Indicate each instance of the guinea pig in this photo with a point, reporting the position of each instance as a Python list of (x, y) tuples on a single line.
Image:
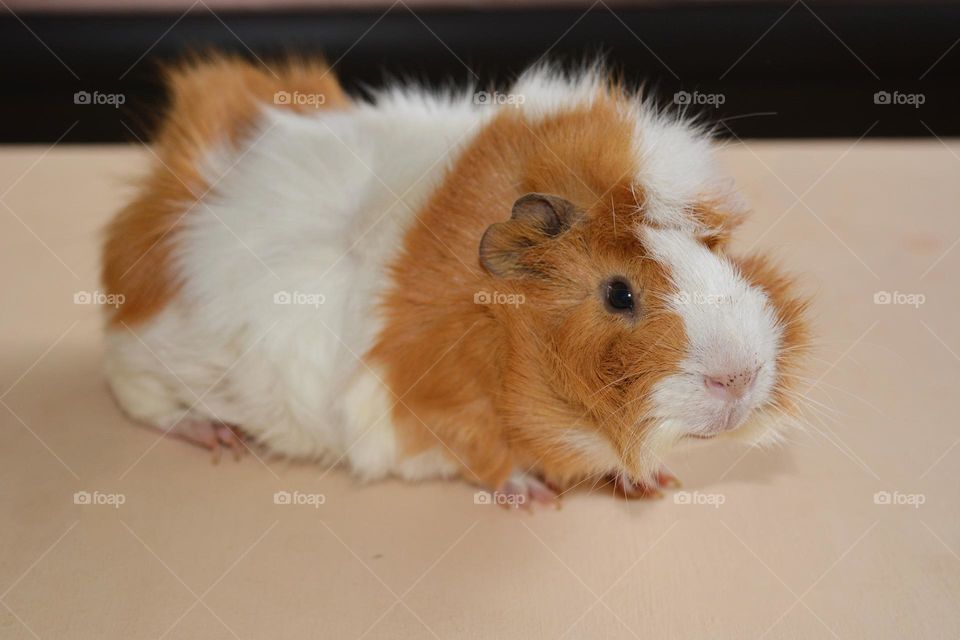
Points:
[(529, 290)]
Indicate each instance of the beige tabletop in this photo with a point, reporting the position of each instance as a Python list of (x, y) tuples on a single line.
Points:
[(849, 531)]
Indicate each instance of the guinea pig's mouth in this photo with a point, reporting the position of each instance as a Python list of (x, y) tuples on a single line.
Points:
[(759, 423), (728, 420)]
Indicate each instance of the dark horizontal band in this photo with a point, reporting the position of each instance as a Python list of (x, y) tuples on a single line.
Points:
[(764, 69)]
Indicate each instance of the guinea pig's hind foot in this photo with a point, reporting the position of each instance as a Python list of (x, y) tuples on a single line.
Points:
[(210, 434), (522, 489)]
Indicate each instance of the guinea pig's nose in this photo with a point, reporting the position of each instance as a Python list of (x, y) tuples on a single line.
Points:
[(731, 386)]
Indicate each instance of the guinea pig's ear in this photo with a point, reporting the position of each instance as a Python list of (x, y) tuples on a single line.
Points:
[(536, 217)]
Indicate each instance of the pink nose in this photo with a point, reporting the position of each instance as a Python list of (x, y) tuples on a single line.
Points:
[(731, 386)]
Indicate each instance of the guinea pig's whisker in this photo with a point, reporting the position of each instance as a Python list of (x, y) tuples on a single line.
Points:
[(803, 347), (827, 433), (613, 382), (811, 383), (784, 417), (820, 383), (822, 415), (824, 409), (597, 475), (804, 405)]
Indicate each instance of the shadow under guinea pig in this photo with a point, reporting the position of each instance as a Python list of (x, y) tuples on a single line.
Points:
[(709, 467)]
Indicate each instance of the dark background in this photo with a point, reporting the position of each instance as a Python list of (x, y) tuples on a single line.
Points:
[(784, 70)]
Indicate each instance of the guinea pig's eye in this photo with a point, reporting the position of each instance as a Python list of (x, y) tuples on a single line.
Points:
[(619, 297)]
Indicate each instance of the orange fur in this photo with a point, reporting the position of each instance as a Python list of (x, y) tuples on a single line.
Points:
[(792, 311), (213, 101), (496, 384)]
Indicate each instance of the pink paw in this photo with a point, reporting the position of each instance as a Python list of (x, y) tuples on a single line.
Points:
[(210, 435), (626, 487), (523, 489)]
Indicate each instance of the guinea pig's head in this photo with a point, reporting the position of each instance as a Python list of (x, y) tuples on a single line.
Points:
[(629, 336)]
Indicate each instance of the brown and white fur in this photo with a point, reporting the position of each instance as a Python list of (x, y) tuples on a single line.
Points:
[(418, 285)]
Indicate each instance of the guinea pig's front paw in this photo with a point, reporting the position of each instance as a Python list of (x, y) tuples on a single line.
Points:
[(631, 489), (210, 435), (523, 488)]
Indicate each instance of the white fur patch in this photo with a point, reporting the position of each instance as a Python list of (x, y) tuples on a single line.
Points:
[(593, 447), (282, 265), (371, 446), (730, 328), (676, 167), (546, 90)]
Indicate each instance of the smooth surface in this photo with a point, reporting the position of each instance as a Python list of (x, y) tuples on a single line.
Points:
[(788, 543)]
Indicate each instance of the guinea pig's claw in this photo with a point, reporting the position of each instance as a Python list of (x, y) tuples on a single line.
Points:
[(224, 436), (667, 480), (523, 489), (630, 489), (626, 488), (232, 439), (210, 435)]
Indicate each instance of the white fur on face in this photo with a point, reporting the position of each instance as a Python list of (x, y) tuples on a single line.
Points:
[(730, 327), (675, 167)]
